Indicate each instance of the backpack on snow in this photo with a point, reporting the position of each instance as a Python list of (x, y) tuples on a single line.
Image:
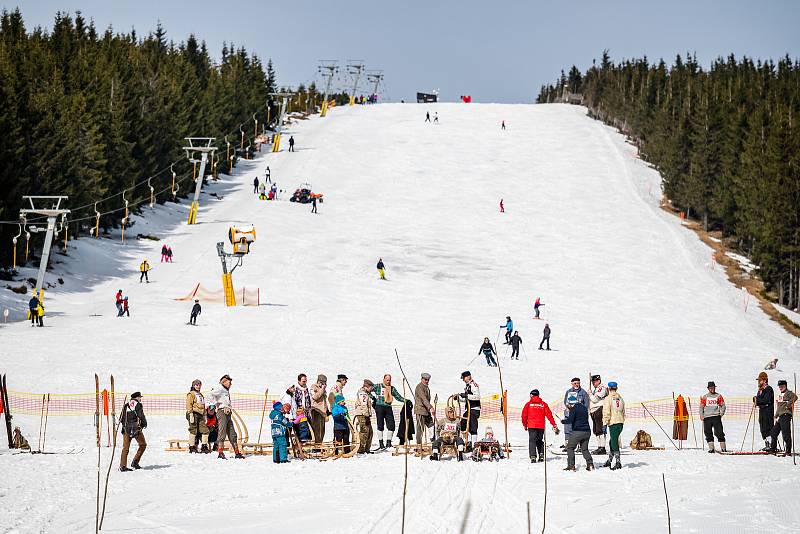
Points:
[(642, 441)]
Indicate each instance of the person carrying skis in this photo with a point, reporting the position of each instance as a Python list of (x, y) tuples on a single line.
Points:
[(133, 422), (320, 409), (364, 412), (487, 349), (33, 308), (118, 299), (279, 429), (545, 336), (472, 408), (383, 394), (447, 433), (712, 408), (614, 418), (196, 310), (220, 397), (143, 268), (125, 309), (381, 269), (341, 428), (784, 409), (255, 185), (423, 409), (164, 253), (597, 395), (509, 328), (291, 143), (427, 116), (515, 342), (765, 400), (583, 398), (533, 415), (195, 414), (578, 420), (536, 305)]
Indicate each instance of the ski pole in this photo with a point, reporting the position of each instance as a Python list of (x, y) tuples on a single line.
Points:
[(659, 426), (744, 440), (46, 414)]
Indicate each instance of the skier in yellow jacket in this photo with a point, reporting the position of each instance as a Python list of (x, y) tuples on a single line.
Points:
[(143, 268)]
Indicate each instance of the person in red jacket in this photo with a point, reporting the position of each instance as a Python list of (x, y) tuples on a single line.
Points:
[(533, 415), (119, 300)]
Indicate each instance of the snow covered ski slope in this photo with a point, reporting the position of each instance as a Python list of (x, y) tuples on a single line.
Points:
[(628, 294)]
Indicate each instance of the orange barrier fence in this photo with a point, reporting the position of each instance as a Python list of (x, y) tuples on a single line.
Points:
[(251, 404)]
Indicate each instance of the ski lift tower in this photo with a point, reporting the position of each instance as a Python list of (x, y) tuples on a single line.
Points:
[(276, 139), (327, 68), (201, 146), (355, 69), (52, 213), (376, 77)]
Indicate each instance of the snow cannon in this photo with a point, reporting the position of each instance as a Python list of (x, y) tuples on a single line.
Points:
[(240, 238)]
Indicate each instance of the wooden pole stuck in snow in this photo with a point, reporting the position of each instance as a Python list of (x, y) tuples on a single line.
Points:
[(666, 498), (263, 411), (659, 425), (405, 470)]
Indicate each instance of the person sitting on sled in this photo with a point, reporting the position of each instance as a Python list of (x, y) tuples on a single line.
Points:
[(447, 432), (488, 445)]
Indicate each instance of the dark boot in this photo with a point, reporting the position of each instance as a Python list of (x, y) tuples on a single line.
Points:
[(608, 462), (599, 450), (221, 455), (192, 449), (590, 467), (135, 464), (618, 464), (204, 449), (381, 446), (435, 456), (124, 468)]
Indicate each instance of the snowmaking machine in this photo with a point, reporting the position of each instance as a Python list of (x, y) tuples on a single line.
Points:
[(240, 238)]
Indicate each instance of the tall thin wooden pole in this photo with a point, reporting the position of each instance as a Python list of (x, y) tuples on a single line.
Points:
[(666, 498), (263, 411), (405, 473)]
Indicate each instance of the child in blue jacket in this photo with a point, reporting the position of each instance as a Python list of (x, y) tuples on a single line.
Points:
[(341, 430), (280, 424)]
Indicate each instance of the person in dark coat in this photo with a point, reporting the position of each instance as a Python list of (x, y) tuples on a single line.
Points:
[(255, 185), (515, 342), (313, 204), (196, 309), (291, 143), (578, 420), (406, 422), (33, 308), (765, 400), (545, 336)]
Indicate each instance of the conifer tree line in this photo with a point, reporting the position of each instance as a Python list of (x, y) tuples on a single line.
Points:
[(725, 139), (87, 113)]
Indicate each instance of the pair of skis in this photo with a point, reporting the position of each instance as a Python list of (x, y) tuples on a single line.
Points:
[(100, 513), (6, 409), (45, 411)]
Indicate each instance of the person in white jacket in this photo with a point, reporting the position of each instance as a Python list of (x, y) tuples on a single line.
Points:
[(597, 394), (220, 397)]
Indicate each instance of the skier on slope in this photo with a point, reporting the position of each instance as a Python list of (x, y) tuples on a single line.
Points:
[(133, 423), (196, 310), (583, 398), (614, 419), (268, 175), (313, 204), (712, 408), (195, 414), (472, 408), (765, 400), (144, 267), (255, 185), (427, 116), (545, 336), (509, 328), (536, 305), (487, 349), (447, 433), (125, 309), (436, 117), (784, 409), (578, 421), (503, 125), (502, 209), (381, 269), (291, 143), (597, 395), (383, 394), (220, 397), (533, 415), (33, 308), (164, 253), (515, 342), (279, 430), (118, 299)]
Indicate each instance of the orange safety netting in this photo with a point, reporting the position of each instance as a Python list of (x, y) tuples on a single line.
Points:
[(253, 403)]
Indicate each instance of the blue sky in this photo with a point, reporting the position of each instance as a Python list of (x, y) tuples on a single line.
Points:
[(495, 51)]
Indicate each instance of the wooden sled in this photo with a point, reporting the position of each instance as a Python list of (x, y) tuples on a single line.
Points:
[(327, 450), (424, 449), (242, 435)]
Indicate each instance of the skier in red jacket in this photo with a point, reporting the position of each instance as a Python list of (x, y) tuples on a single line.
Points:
[(533, 415)]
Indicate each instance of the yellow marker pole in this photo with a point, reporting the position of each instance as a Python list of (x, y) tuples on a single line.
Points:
[(15, 254), (27, 245)]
